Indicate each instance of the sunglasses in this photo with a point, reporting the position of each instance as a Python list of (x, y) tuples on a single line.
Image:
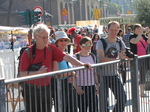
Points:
[(63, 40), (86, 45)]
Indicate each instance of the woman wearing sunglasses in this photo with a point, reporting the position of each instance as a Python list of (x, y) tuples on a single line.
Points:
[(62, 81), (86, 83)]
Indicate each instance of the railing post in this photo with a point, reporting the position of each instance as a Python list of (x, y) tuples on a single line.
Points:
[(59, 95), (101, 89), (135, 85), (2, 96)]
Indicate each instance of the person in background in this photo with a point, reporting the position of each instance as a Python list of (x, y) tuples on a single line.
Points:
[(139, 44), (37, 92), (69, 46), (67, 89), (52, 35), (120, 34), (89, 32), (76, 39), (125, 38), (82, 31), (111, 78), (146, 33), (95, 29), (95, 38), (86, 82)]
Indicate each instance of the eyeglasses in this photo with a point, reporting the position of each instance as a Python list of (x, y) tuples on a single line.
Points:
[(63, 40), (42, 37), (86, 45)]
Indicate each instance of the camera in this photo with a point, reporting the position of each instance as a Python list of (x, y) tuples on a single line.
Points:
[(34, 67), (129, 53)]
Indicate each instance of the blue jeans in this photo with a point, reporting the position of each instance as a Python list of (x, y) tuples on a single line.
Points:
[(116, 86)]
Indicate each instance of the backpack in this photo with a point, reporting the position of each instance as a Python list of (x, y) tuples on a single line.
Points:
[(105, 43), (93, 56), (26, 49)]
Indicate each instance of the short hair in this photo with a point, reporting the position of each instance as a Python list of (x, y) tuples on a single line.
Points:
[(136, 26), (40, 28), (129, 30), (113, 22), (85, 39)]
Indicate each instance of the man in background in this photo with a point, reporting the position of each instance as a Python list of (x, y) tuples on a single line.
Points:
[(76, 39), (125, 38)]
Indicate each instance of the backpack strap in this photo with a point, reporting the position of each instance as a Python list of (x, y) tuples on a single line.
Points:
[(78, 56), (93, 56), (50, 49), (105, 43), (120, 43), (28, 52)]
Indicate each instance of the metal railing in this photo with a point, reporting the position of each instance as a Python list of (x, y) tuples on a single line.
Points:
[(118, 89)]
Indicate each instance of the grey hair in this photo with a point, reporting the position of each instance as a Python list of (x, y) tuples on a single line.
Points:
[(40, 28)]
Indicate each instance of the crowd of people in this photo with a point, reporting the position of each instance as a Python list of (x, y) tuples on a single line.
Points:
[(88, 49)]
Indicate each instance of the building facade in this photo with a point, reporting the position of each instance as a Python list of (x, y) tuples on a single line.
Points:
[(77, 10)]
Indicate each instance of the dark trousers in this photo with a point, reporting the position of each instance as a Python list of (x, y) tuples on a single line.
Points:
[(37, 99), (116, 86), (88, 99), (68, 96)]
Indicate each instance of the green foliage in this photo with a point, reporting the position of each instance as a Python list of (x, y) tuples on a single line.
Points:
[(103, 1), (142, 9), (114, 8)]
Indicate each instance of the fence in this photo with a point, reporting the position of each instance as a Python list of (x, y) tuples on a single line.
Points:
[(118, 89)]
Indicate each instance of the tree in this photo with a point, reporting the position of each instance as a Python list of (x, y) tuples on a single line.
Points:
[(103, 1), (142, 9), (114, 8)]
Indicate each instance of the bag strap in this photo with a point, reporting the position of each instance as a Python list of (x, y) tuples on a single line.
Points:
[(92, 55), (78, 56), (105, 43), (120, 43), (142, 44), (144, 47), (50, 49), (28, 51)]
